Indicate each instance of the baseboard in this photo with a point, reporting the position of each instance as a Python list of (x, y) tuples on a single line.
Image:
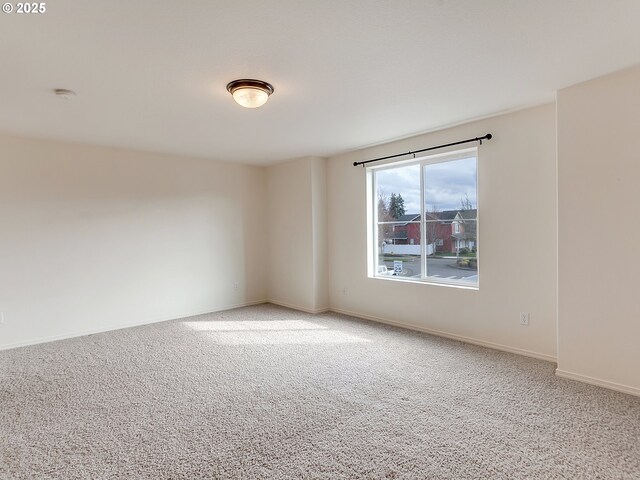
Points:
[(82, 333), (298, 307), (598, 382), (452, 336)]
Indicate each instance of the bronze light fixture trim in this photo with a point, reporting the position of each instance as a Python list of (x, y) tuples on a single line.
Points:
[(250, 93)]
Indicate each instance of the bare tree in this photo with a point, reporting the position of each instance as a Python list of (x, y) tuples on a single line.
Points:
[(465, 203), (469, 218), (383, 205), (384, 231), (432, 222)]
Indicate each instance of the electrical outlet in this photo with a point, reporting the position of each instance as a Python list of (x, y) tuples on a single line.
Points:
[(344, 291), (1, 318), (524, 318), (235, 285)]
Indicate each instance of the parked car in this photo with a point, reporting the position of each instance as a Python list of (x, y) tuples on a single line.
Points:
[(383, 270)]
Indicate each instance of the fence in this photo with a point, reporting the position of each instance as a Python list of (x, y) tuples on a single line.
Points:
[(405, 249)]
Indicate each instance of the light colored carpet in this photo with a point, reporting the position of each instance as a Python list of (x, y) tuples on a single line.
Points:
[(266, 392)]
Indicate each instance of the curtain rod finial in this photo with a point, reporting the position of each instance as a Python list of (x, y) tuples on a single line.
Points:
[(489, 136), (355, 164)]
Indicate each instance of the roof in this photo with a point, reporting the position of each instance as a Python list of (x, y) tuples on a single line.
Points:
[(469, 214), (446, 216), (409, 217), (396, 236)]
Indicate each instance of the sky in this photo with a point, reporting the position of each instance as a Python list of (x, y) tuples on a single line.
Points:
[(446, 183)]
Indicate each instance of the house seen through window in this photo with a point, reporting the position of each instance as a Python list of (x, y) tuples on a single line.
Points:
[(425, 219)]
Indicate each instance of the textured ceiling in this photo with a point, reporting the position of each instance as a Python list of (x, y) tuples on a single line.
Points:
[(151, 74)]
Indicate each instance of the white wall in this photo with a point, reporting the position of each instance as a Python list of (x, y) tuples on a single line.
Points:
[(517, 212), (598, 175), (297, 234), (95, 238), (320, 238)]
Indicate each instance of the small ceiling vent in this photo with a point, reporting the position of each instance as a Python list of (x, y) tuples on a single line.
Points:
[(64, 94)]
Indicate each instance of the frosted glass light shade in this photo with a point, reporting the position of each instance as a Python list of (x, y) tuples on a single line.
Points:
[(250, 93), (250, 97)]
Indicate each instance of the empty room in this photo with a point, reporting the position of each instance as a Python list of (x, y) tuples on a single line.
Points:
[(339, 239)]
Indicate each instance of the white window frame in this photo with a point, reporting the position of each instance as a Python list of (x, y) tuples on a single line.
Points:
[(372, 218)]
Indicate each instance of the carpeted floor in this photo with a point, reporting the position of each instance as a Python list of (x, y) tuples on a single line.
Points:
[(266, 392)]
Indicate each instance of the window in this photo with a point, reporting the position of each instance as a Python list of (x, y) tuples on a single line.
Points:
[(423, 219)]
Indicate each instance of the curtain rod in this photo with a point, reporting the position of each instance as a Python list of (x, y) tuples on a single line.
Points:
[(488, 136)]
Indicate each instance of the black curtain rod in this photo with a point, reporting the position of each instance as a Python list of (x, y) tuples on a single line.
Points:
[(488, 136)]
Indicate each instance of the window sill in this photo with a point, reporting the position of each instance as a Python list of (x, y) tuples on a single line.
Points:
[(391, 278)]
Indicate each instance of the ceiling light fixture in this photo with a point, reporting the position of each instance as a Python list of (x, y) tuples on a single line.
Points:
[(250, 93)]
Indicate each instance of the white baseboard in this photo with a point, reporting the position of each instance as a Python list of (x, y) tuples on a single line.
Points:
[(298, 307), (91, 331), (461, 338), (598, 382)]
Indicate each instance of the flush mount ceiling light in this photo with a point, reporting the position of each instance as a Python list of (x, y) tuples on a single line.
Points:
[(250, 93)]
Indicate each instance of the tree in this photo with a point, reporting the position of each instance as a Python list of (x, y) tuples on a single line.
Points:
[(384, 230), (432, 226), (469, 218), (396, 206), (465, 203), (390, 208), (383, 206)]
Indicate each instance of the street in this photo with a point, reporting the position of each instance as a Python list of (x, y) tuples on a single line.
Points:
[(442, 268)]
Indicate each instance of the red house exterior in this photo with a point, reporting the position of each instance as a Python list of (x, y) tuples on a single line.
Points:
[(449, 230), (406, 233)]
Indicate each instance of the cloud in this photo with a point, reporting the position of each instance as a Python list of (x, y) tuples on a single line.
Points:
[(404, 181), (446, 184)]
